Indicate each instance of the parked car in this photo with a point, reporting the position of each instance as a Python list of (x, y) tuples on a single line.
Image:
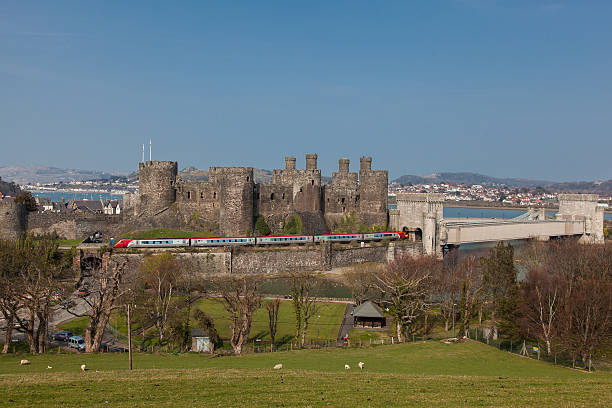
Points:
[(63, 335), (77, 342), (17, 325)]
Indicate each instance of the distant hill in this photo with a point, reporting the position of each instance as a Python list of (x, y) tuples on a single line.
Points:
[(595, 187), (9, 189), (468, 178), (40, 174)]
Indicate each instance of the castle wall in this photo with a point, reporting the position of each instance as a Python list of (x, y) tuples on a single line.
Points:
[(198, 201), (274, 199), (200, 265), (76, 225)]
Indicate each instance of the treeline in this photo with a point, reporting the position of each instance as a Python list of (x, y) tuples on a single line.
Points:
[(37, 280), (564, 300)]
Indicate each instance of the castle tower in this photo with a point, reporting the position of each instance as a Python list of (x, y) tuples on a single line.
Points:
[(156, 185), (235, 186), (372, 193), (13, 220)]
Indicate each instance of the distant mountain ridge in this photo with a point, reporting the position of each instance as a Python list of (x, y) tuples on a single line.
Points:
[(43, 174), (595, 187), (468, 178)]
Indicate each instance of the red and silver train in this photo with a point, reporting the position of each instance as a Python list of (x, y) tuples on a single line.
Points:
[(270, 240)]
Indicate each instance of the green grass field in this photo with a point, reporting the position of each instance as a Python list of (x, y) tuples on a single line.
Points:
[(331, 315), (414, 374)]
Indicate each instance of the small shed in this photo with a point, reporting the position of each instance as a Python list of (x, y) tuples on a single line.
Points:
[(200, 341), (368, 314)]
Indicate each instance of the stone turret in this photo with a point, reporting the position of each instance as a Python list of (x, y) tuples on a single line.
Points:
[(343, 165), (365, 164), (289, 163), (156, 185), (311, 161)]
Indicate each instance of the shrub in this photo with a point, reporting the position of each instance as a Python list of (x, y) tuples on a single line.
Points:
[(261, 226)]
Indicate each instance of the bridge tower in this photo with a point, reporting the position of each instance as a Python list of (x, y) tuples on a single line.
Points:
[(583, 207), (420, 214)]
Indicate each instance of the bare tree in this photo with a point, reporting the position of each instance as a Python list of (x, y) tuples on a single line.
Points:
[(240, 298), (106, 289), (470, 276), (303, 286), (590, 317), (541, 303), (272, 307), (404, 287), (162, 275), (359, 279), (447, 286)]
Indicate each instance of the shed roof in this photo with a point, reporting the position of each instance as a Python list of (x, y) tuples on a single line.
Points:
[(368, 309), (199, 333)]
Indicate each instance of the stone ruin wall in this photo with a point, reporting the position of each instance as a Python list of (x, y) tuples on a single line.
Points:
[(311, 258)]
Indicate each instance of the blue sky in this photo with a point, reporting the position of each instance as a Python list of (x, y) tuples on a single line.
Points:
[(506, 88)]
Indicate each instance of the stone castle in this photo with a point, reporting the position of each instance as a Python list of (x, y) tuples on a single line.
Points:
[(230, 201)]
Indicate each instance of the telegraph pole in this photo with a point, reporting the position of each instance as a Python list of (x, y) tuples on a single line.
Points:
[(129, 328)]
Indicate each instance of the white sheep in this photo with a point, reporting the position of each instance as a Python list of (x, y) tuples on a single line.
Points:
[(24, 362), (347, 367), (278, 367), (83, 367), (361, 364), (49, 367)]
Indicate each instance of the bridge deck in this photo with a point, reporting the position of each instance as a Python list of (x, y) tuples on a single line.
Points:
[(463, 230)]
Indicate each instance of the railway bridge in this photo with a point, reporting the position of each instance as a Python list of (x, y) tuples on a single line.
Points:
[(578, 215)]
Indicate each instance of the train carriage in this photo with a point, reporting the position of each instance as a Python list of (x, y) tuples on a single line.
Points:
[(284, 239), (222, 241), (338, 237), (153, 243), (379, 236)]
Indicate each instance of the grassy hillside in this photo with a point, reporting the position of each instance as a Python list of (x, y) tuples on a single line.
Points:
[(329, 322), (419, 374)]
